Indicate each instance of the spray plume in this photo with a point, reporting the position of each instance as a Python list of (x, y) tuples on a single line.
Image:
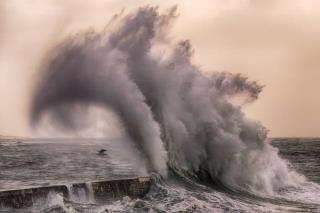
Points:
[(175, 114)]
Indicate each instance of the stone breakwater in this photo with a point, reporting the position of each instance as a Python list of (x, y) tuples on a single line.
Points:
[(91, 192)]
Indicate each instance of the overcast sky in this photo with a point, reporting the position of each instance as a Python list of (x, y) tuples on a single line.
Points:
[(276, 42)]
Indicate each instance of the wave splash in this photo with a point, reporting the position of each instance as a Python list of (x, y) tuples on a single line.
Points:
[(175, 114)]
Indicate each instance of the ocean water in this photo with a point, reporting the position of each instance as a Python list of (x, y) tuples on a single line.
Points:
[(40, 162)]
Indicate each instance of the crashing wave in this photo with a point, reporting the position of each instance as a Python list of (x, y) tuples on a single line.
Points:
[(175, 114)]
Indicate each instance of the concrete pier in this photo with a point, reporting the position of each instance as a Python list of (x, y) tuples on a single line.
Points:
[(97, 192)]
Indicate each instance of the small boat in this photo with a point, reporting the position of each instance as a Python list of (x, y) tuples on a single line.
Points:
[(102, 152)]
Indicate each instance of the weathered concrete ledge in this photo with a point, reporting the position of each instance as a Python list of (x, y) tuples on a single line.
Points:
[(98, 192)]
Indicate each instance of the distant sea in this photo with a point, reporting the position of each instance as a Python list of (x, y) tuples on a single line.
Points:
[(40, 162)]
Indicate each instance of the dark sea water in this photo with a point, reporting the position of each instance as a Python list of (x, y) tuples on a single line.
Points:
[(303, 154), (40, 162)]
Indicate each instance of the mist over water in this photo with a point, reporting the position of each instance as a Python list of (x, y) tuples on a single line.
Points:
[(173, 112)]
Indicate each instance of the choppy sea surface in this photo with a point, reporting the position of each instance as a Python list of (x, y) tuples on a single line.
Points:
[(27, 163)]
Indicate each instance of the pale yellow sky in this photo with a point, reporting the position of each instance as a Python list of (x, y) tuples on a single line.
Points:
[(276, 42)]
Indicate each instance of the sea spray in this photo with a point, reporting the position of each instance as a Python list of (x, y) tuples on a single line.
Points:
[(90, 192), (81, 194), (174, 113)]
